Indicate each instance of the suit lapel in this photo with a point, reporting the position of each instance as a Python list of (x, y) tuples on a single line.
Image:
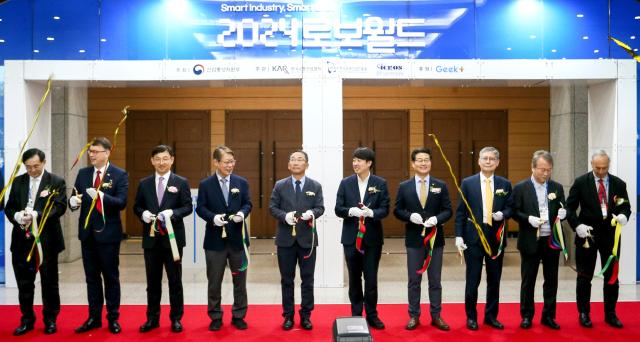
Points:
[(365, 199), (216, 185), (533, 196), (44, 182), (593, 189)]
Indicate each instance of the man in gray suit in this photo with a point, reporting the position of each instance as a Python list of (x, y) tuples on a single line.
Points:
[(296, 202)]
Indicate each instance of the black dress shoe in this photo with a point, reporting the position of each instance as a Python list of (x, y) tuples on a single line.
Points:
[(176, 326), (288, 323), (413, 323), (612, 320), (23, 329), (305, 323), (215, 325), (585, 320), (114, 327), (149, 325), (440, 324), (89, 324), (375, 323), (526, 323), (472, 324), (239, 323), (550, 322), (50, 328), (492, 322)]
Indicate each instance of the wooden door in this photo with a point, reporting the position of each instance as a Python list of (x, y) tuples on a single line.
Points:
[(462, 134), (262, 142), (386, 132), (187, 132)]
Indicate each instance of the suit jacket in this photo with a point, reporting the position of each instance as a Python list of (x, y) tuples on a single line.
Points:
[(114, 187), (408, 202), (472, 190), (378, 201), (283, 200), (51, 236), (584, 195), (526, 204), (211, 203), (179, 202)]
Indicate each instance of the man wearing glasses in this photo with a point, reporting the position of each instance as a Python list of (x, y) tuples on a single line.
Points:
[(100, 191), (423, 204), (224, 203), (296, 202), (490, 199)]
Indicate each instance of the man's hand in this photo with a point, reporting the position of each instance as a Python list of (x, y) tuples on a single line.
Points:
[(562, 213), (497, 216), (583, 230), (219, 220), (536, 222), (307, 215), (290, 218), (238, 217), (460, 243), (622, 219), (165, 215), (75, 201), (431, 221), (356, 212), (415, 218), (147, 216)]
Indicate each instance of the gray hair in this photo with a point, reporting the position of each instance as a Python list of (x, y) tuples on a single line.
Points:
[(541, 154), (599, 153), (489, 149)]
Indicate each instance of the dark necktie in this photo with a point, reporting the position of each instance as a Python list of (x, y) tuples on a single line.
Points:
[(298, 191)]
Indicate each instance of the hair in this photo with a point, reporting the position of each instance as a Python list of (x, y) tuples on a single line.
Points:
[(28, 154), (599, 153), (490, 149), (220, 150), (102, 141), (306, 156), (415, 152), (365, 154), (541, 154), (162, 148)]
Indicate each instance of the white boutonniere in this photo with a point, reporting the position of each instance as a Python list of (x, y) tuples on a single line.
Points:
[(373, 190), (619, 200), (310, 193), (501, 192), (172, 189), (435, 190), (235, 191), (108, 185), (45, 193), (552, 196)]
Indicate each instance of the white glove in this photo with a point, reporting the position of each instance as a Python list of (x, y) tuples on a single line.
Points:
[(238, 217), (366, 212), (355, 212), (147, 216), (165, 215), (290, 218), (431, 221), (75, 201), (562, 213), (219, 220), (536, 222), (622, 219), (20, 218), (583, 230), (307, 215), (460, 243), (93, 193), (415, 218), (497, 216)]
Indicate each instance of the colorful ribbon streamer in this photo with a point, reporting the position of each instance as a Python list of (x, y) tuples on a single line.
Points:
[(24, 144), (428, 242), (245, 243), (556, 239), (43, 221), (613, 258), (312, 225), (483, 239), (362, 229), (500, 239)]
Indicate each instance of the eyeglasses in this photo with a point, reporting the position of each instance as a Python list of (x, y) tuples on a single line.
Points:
[(95, 151), (544, 170), (492, 159), (299, 160), (161, 160), (228, 162), (421, 161)]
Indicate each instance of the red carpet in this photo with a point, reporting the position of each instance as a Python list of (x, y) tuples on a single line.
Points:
[(264, 325)]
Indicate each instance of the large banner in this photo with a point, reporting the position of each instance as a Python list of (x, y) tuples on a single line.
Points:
[(2, 232)]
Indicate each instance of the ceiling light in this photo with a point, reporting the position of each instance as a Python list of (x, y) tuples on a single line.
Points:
[(554, 50), (1, 40), (103, 39), (637, 17), (55, 17), (580, 15), (533, 36), (36, 51), (82, 50), (632, 37), (596, 51), (585, 37), (508, 49), (50, 38)]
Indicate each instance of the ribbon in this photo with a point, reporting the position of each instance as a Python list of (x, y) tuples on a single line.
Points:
[(33, 229), (82, 152), (245, 243), (24, 144), (500, 239), (38, 231), (483, 239), (428, 242), (312, 225), (626, 48), (224, 231), (125, 112), (172, 238), (556, 239), (362, 229), (613, 258)]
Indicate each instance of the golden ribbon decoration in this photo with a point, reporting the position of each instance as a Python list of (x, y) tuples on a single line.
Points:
[(626, 48), (125, 113), (24, 144), (483, 239), (45, 215)]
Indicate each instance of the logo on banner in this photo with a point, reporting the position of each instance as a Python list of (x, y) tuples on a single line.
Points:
[(198, 69)]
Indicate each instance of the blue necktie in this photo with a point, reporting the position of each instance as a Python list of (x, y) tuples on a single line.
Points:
[(298, 191), (225, 190)]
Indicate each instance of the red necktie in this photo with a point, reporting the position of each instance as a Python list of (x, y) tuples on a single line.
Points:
[(602, 193), (96, 185)]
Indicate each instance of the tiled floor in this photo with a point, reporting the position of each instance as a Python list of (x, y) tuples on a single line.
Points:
[(264, 280)]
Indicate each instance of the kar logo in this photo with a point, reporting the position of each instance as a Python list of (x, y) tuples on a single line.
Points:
[(280, 68)]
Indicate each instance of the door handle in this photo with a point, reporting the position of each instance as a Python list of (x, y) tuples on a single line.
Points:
[(373, 167), (260, 157), (174, 167), (273, 165)]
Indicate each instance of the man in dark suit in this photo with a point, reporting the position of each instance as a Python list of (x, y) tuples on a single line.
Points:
[(224, 203), (296, 202), (490, 199), (423, 203), (101, 233), (538, 200), (600, 196), (363, 200), (27, 200), (161, 197)]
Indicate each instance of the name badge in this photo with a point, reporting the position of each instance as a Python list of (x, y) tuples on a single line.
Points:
[(544, 214), (603, 208)]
